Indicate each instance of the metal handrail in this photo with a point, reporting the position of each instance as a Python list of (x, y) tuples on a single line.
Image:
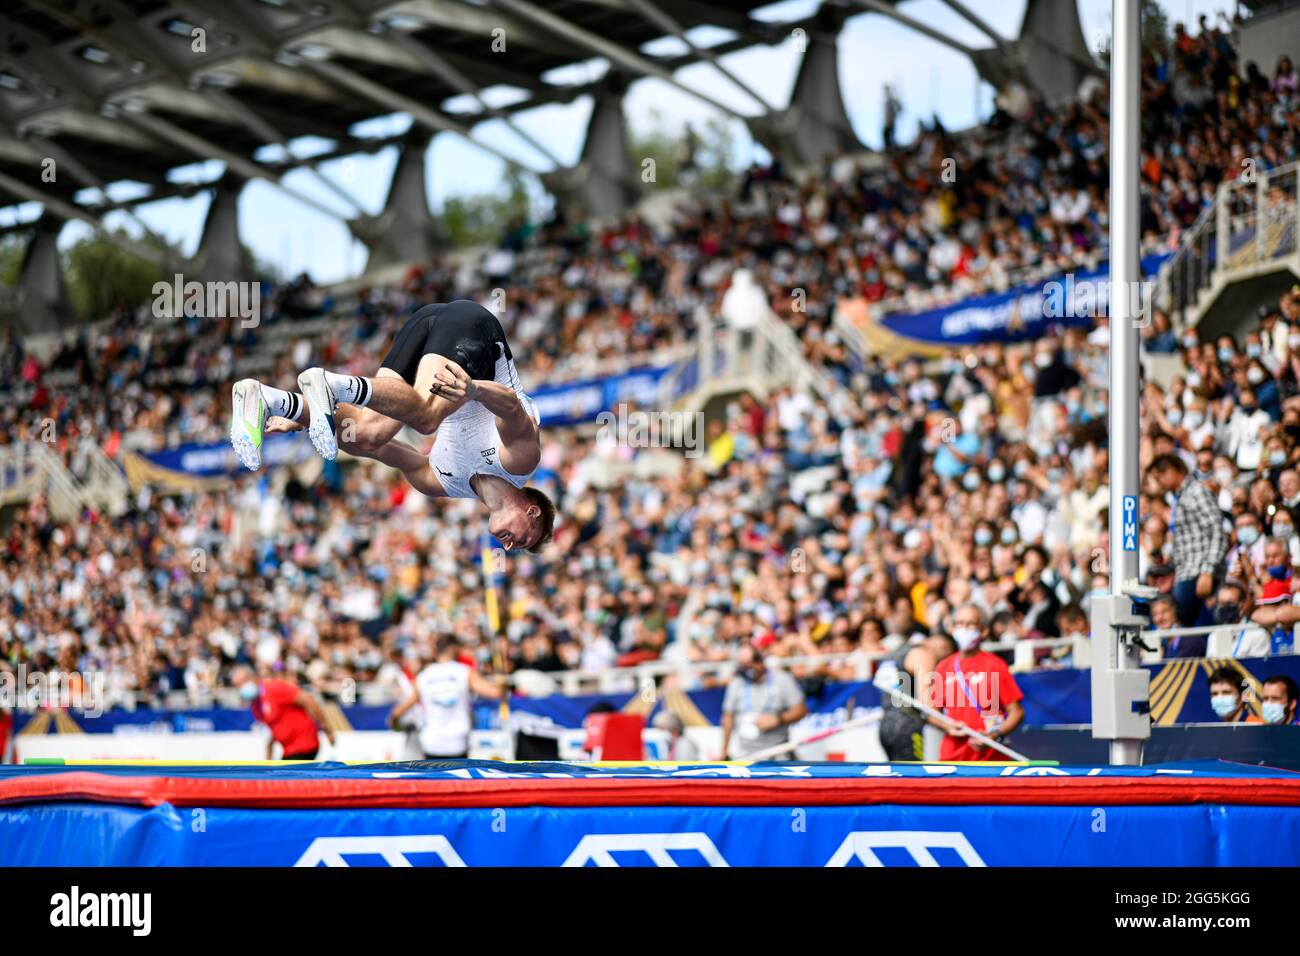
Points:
[(49, 476), (1205, 249), (107, 486)]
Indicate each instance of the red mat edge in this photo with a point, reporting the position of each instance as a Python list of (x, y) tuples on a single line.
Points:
[(421, 794)]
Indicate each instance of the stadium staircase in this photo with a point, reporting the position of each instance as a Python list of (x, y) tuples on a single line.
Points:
[(31, 469), (724, 360), (1247, 237)]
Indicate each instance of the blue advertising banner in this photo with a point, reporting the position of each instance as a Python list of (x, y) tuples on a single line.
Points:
[(1019, 315), (1180, 693), (81, 835), (571, 403), (194, 466)]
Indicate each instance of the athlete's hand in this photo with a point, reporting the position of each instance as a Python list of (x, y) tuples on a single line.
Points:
[(277, 424), (450, 381)]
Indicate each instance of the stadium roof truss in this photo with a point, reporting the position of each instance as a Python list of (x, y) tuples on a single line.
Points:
[(114, 91)]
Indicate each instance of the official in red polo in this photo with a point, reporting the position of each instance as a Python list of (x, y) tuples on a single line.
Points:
[(294, 716), (974, 690)]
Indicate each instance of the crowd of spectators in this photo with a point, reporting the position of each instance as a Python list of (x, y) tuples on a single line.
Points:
[(980, 477)]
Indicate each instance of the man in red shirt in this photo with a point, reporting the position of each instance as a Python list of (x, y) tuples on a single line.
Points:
[(973, 689), (6, 727), (292, 714)]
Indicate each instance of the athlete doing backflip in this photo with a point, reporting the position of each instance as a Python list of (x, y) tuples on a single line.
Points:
[(450, 373)]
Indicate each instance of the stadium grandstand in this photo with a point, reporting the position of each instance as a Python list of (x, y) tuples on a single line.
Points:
[(879, 391)]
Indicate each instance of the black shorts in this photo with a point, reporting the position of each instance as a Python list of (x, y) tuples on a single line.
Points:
[(901, 735), (462, 331)]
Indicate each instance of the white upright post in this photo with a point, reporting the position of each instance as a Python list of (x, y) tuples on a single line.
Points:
[(1125, 279), (1118, 682)]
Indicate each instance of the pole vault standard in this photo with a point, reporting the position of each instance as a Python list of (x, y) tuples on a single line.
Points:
[(1120, 686)]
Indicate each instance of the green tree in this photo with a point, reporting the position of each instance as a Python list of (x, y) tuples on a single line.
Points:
[(661, 146), (12, 250), (716, 154), (101, 275), (486, 217), (711, 144), (1155, 29)]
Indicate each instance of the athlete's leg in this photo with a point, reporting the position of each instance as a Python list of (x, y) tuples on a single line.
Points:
[(372, 428), (440, 388), (417, 405), (363, 431)]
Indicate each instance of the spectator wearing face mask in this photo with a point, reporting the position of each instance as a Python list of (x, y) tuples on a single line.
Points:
[(292, 714), (973, 689), (1274, 585), (1284, 531), (1275, 458), (1265, 389), (1198, 426), (1242, 439), (1226, 699), (1243, 640), (1248, 553), (759, 706), (1278, 700)]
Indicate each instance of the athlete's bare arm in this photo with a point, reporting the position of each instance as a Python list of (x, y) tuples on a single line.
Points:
[(413, 465), (411, 700), (483, 687), (521, 438)]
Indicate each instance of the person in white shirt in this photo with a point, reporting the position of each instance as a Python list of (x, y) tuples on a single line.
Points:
[(444, 691), (1247, 420), (1199, 424)]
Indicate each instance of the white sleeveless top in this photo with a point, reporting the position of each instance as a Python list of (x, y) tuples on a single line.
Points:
[(444, 695), (468, 444)]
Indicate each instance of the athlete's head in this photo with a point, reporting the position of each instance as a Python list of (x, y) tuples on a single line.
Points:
[(524, 521)]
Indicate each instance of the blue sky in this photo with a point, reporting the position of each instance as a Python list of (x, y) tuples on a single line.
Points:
[(874, 50)]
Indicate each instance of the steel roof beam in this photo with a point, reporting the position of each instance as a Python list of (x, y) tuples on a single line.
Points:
[(207, 149), (69, 211), (664, 22), (629, 60), (377, 92)]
